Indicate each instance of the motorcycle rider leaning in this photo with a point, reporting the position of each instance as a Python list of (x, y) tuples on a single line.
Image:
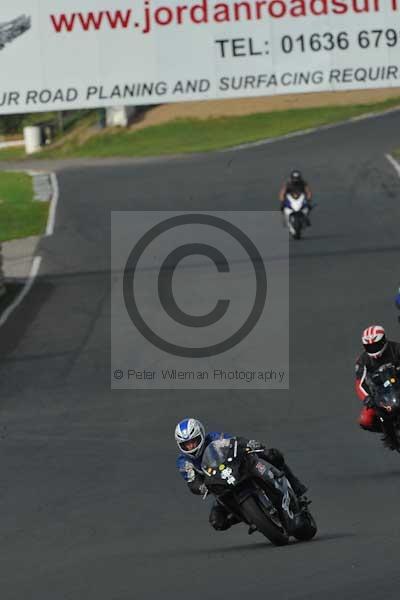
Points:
[(378, 351), (192, 441), (295, 186)]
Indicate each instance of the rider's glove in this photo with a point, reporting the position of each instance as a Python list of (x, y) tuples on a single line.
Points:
[(253, 445), (368, 402)]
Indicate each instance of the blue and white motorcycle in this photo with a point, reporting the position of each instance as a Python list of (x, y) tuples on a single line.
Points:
[(296, 210)]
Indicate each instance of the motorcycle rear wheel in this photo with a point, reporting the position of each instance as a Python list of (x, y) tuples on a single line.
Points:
[(256, 516)]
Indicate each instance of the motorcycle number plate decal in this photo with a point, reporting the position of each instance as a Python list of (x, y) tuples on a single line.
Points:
[(227, 475)]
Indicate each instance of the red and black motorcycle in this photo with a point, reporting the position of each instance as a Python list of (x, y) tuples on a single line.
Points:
[(385, 384)]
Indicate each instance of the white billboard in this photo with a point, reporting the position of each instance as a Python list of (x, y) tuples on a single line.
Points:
[(65, 54)]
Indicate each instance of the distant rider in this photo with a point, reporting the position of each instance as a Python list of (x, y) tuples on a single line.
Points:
[(192, 441), (397, 301), (378, 351), (295, 186)]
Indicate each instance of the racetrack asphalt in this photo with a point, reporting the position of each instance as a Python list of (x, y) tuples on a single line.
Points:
[(91, 506)]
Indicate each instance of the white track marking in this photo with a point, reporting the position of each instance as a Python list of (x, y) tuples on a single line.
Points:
[(53, 205), (28, 284), (394, 163), (37, 260), (305, 132)]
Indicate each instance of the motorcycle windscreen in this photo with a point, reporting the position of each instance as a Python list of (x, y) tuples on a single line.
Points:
[(385, 375), (215, 454), (389, 396)]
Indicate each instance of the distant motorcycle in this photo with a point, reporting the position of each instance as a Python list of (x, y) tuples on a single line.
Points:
[(295, 207), (274, 510), (385, 395), (397, 302)]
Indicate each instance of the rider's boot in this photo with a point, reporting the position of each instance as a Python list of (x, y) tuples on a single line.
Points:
[(298, 487), (306, 214)]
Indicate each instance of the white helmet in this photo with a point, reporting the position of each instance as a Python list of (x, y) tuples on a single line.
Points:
[(374, 340), (190, 436)]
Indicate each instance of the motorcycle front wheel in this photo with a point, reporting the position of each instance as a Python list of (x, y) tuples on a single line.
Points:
[(295, 229), (256, 516)]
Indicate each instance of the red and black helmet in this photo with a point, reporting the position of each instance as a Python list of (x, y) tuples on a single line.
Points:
[(374, 340)]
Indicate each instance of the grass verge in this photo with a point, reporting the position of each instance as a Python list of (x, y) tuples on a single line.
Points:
[(195, 135), (20, 215), (13, 153)]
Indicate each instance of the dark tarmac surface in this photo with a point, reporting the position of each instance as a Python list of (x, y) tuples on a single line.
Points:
[(91, 506)]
